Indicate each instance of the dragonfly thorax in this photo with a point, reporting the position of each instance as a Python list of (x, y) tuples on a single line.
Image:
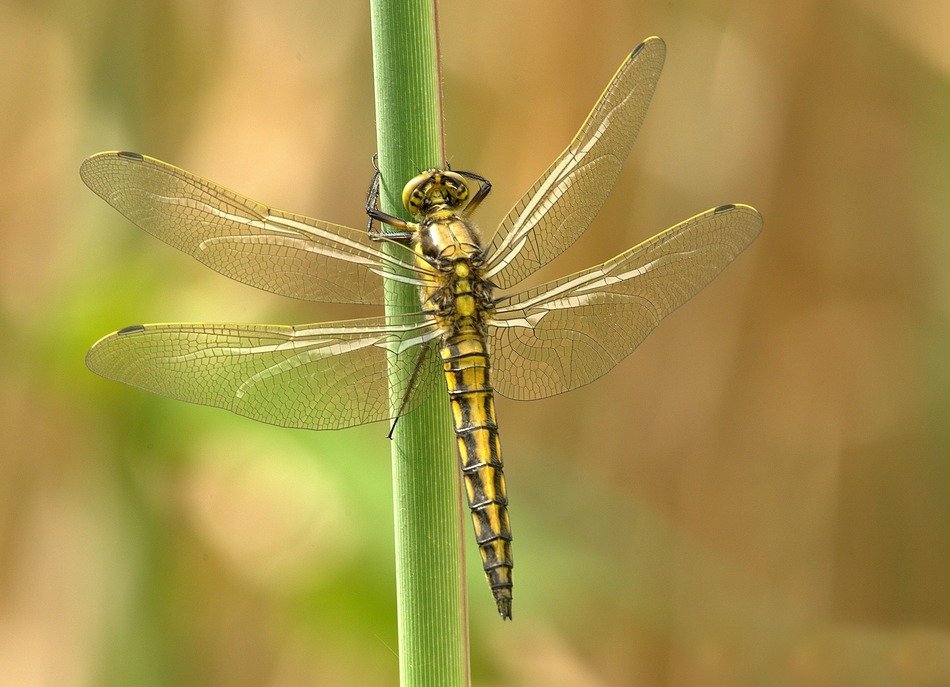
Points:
[(434, 190), (444, 240), (457, 294)]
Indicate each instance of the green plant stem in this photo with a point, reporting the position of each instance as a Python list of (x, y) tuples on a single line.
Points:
[(433, 637)]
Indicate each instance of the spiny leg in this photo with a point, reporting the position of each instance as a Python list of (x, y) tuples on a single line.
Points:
[(484, 188), (410, 387), (374, 213)]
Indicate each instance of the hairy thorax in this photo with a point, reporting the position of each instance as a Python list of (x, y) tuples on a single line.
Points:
[(459, 297)]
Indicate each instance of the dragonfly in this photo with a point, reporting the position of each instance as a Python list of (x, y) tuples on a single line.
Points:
[(523, 344)]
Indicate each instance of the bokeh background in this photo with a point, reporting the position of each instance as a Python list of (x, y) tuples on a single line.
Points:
[(759, 496)]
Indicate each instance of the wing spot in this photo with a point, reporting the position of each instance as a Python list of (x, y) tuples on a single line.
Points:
[(131, 329)]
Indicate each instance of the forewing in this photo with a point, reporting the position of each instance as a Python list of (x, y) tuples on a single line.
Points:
[(563, 202), (272, 250), (569, 332), (323, 376)]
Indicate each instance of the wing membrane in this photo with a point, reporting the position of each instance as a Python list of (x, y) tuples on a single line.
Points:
[(569, 332), (323, 376), (563, 202), (287, 254)]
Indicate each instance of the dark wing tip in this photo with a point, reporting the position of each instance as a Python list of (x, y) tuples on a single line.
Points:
[(653, 42), (131, 329), (737, 207), (753, 219), (88, 168)]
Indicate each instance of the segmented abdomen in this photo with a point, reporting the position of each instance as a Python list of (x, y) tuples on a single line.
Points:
[(465, 360)]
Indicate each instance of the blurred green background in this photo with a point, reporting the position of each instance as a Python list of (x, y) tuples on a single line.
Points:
[(759, 496)]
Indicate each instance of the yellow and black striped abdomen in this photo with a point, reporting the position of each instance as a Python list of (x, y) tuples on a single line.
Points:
[(465, 360)]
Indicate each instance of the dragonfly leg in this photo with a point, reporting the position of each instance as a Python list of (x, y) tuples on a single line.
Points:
[(374, 213), (413, 380), (484, 188)]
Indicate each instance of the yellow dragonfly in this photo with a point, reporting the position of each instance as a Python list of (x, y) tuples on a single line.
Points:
[(529, 344)]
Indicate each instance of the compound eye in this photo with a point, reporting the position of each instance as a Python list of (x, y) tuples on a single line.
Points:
[(413, 193), (456, 186)]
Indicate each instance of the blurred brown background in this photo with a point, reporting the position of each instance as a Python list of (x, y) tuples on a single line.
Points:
[(759, 496)]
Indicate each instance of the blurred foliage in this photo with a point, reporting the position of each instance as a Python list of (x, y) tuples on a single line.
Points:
[(761, 495)]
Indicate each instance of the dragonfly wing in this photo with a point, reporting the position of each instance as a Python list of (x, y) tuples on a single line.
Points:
[(272, 250), (322, 376), (569, 332), (563, 202)]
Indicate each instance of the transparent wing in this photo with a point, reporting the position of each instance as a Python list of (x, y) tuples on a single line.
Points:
[(323, 376), (273, 250), (563, 202), (569, 332)]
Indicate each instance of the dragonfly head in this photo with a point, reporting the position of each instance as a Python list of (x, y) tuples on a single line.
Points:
[(434, 189)]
